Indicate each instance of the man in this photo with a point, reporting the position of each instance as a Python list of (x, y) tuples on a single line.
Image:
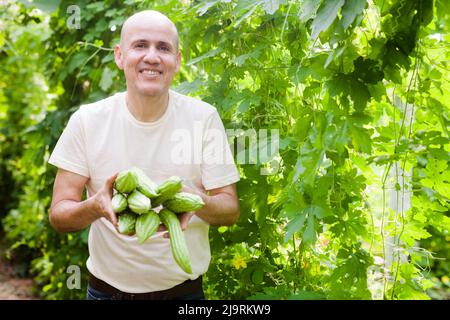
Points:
[(163, 133)]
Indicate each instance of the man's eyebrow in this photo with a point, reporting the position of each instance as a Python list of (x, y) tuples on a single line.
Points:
[(165, 43), (147, 41), (138, 40)]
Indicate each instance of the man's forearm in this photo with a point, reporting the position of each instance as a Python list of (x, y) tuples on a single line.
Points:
[(71, 216), (219, 210)]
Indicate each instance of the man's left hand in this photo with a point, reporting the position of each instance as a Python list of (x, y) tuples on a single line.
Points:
[(186, 216)]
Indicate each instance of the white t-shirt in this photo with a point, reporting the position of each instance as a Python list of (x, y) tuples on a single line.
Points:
[(188, 141)]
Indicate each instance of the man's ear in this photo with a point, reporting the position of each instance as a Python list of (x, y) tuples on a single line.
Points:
[(118, 56), (177, 68)]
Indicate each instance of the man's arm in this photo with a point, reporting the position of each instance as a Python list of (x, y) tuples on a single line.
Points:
[(68, 213), (221, 206)]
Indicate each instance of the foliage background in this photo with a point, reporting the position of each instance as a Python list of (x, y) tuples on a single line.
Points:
[(357, 202)]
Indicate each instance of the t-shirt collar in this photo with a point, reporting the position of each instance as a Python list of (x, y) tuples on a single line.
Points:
[(131, 118)]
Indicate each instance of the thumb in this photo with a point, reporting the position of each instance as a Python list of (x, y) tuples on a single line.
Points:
[(110, 180)]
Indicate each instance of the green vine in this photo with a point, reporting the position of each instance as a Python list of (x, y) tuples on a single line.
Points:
[(329, 75)]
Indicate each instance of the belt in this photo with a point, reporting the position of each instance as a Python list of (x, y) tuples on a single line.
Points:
[(185, 288)]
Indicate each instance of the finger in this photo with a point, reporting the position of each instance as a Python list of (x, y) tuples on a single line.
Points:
[(192, 188), (166, 235), (184, 220), (183, 223), (113, 219), (109, 184), (185, 188)]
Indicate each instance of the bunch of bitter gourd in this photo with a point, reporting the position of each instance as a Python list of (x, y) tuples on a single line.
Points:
[(136, 196)]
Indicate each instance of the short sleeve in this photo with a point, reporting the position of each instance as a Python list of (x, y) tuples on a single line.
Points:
[(218, 168), (70, 150)]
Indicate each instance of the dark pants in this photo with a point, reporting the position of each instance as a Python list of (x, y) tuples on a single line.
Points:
[(184, 291)]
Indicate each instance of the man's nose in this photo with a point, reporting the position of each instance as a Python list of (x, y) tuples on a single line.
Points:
[(152, 55)]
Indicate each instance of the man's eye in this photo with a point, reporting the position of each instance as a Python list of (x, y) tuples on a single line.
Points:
[(163, 48), (140, 45)]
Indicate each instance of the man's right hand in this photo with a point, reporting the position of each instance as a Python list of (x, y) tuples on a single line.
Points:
[(68, 213), (103, 201)]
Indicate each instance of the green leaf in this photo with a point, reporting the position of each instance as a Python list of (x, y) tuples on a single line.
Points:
[(205, 6), (247, 4), (96, 6), (349, 278), (425, 12), (350, 10), (338, 85), (307, 164), (316, 211), (307, 295), (310, 236), (325, 16), (367, 70), (295, 225), (271, 6), (45, 5), (334, 55), (249, 100), (299, 74), (361, 139), (239, 61), (209, 54), (258, 276), (359, 94), (437, 177), (189, 87), (309, 9), (107, 78), (414, 231)]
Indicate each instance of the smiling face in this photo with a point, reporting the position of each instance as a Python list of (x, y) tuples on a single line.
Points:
[(148, 53)]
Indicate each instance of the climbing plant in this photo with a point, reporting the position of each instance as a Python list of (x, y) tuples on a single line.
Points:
[(350, 182)]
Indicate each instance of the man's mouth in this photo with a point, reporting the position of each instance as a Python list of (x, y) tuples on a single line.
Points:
[(150, 72)]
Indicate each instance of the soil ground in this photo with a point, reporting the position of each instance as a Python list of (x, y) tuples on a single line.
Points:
[(13, 287)]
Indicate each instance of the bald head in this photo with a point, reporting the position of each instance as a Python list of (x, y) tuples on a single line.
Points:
[(146, 17)]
